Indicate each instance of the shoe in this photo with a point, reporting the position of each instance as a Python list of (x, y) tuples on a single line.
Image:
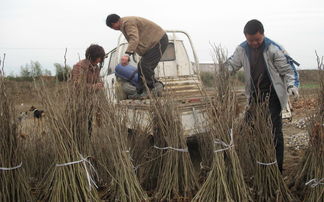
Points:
[(158, 88)]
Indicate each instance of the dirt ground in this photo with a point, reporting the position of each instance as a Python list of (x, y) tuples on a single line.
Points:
[(295, 132)]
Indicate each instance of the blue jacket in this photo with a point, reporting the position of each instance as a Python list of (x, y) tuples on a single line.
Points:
[(128, 73)]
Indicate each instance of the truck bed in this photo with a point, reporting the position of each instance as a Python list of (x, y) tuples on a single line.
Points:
[(191, 99)]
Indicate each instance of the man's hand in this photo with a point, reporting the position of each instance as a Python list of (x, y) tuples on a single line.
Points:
[(128, 56), (98, 85), (293, 91), (129, 53)]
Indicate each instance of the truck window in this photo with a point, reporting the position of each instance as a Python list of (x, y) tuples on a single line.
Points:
[(169, 54)]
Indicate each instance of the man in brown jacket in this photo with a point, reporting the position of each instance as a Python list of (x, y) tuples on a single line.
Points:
[(145, 38)]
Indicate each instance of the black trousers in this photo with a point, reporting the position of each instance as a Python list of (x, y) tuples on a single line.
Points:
[(148, 63), (276, 119)]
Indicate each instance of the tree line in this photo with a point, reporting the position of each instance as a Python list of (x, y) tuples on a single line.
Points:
[(34, 70)]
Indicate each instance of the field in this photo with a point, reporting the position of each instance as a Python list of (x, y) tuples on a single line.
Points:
[(121, 164)]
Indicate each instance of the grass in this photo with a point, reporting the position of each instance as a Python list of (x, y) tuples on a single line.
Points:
[(310, 86)]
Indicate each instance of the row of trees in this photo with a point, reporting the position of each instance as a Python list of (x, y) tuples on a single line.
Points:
[(35, 70), (62, 72)]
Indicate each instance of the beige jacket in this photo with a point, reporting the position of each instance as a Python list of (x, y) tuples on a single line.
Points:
[(141, 34)]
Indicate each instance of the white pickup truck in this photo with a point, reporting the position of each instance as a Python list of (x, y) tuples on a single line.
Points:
[(176, 71)]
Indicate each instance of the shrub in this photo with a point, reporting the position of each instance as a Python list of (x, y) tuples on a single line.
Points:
[(207, 78), (62, 72), (240, 76)]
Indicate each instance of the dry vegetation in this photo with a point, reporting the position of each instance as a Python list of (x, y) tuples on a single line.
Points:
[(225, 181), (13, 179), (308, 178), (64, 159)]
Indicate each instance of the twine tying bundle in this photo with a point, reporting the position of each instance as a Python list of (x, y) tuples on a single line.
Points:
[(84, 161), (227, 146), (267, 164), (171, 148), (11, 168), (314, 182)]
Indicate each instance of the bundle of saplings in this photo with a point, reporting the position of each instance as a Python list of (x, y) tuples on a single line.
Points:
[(268, 182), (176, 178), (13, 182), (69, 111), (308, 181), (146, 159), (225, 181), (124, 184)]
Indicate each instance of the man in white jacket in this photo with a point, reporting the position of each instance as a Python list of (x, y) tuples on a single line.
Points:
[(269, 74)]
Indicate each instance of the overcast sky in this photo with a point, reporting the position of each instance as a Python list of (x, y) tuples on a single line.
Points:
[(40, 30)]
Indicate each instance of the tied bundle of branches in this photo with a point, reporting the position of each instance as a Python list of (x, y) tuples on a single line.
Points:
[(176, 179), (268, 181), (243, 139), (309, 179), (38, 152), (113, 133), (215, 188), (13, 183), (225, 181), (146, 159), (69, 113), (206, 152)]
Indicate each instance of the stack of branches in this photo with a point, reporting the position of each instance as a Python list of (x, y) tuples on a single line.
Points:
[(69, 115), (206, 154), (268, 181), (204, 137), (146, 159), (36, 143), (13, 182), (101, 151), (38, 151), (243, 140), (309, 178), (225, 181), (124, 185), (176, 178)]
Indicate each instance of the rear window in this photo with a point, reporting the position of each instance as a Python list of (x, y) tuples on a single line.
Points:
[(169, 54)]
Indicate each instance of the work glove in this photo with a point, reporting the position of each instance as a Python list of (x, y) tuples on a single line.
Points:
[(293, 91)]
